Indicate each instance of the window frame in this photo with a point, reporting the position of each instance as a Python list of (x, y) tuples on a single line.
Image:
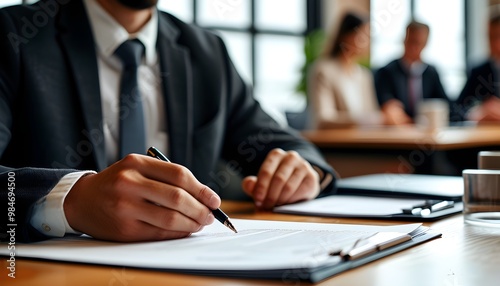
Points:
[(313, 22)]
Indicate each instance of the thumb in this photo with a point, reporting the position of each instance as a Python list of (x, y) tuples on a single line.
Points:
[(248, 184)]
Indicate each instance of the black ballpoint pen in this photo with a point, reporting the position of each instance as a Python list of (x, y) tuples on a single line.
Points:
[(218, 213)]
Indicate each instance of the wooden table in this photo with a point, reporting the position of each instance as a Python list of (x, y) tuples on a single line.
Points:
[(361, 151), (465, 255), (406, 137)]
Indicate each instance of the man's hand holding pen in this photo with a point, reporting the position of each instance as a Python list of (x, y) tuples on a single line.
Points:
[(140, 198)]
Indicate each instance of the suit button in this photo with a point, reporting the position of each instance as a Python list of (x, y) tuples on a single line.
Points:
[(46, 227)]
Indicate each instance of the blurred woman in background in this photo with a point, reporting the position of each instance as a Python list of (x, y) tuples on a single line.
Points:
[(342, 92)]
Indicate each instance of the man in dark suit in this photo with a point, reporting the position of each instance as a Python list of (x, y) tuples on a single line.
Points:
[(83, 83), (404, 82), (480, 98)]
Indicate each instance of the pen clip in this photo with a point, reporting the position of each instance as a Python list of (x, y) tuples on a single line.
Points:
[(155, 153)]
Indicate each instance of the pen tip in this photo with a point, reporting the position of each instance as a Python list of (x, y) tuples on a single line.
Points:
[(230, 226)]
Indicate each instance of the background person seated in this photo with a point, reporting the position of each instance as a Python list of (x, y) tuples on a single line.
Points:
[(342, 91), (479, 100), (404, 82)]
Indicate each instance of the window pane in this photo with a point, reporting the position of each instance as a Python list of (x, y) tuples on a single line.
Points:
[(182, 9), (5, 3), (287, 15), (239, 48), (226, 13), (445, 48), (388, 22), (278, 60)]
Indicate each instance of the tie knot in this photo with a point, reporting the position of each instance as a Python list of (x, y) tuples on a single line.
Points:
[(130, 53)]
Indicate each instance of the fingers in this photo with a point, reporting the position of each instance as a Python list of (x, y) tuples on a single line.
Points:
[(491, 109), (309, 189), (266, 174), (176, 199), (142, 231), (289, 189), (168, 219), (140, 198), (284, 177), (174, 174), (394, 113), (248, 184)]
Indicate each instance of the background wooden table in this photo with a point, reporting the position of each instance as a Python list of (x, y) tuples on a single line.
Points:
[(410, 137), (465, 255), (360, 151)]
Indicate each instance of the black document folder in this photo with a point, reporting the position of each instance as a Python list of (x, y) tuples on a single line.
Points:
[(388, 196), (317, 274), (287, 251), (404, 185)]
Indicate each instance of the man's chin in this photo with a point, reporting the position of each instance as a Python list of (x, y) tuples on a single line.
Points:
[(138, 4)]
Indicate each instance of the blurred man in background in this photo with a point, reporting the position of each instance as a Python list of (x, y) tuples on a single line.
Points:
[(404, 82), (479, 100)]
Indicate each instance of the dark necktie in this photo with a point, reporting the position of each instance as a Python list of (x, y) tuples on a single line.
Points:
[(412, 95), (132, 127)]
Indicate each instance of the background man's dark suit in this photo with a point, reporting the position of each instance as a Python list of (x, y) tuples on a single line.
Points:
[(481, 83), (50, 108), (391, 82)]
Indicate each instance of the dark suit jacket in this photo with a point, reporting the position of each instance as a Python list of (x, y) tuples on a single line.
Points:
[(50, 108), (482, 82), (391, 82)]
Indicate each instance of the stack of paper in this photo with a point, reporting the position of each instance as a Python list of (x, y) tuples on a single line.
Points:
[(266, 249)]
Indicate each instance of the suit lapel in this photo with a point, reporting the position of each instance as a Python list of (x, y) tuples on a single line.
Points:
[(78, 44), (405, 87), (177, 84), (426, 84)]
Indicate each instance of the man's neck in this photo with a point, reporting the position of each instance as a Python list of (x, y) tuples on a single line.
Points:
[(409, 61), (132, 20)]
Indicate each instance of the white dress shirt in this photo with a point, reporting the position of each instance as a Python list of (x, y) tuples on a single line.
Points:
[(48, 215)]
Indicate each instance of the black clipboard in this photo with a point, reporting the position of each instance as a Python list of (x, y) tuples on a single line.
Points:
[(327, 207), (88, 251), (316, 274), (313, 274), (404, 186)]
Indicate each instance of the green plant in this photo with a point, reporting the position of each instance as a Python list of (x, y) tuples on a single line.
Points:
[(313, 44)]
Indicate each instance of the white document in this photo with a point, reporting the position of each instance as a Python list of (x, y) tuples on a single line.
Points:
[(258, 245), (351, 206)]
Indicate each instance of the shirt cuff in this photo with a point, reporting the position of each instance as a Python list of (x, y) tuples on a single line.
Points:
[(48, 213), (324, 178)]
